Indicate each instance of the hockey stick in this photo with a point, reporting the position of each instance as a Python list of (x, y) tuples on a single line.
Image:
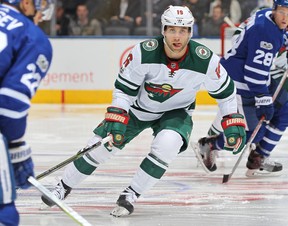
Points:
[(227, 177), (79, 154), (68, 210), (229, 22)]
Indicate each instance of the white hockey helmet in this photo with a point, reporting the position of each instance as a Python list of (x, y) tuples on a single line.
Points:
[(177, 16)]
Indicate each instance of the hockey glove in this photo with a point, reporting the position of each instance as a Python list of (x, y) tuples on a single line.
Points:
[(115, 123), (234, 131), (264, 107), (22, 163)]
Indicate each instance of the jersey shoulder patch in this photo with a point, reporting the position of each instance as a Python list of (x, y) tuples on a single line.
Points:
[(200, 51), (199, 57), (152, 51), (203, 52), (150, 45)]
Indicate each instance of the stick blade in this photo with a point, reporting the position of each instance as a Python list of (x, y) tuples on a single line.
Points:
[(226, 178)]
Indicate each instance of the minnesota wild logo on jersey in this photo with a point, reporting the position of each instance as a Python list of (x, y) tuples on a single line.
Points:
[(150, 45), (203, 52), (160, 92)]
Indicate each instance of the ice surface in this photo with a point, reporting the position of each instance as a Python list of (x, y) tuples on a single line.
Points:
[(186, 196)]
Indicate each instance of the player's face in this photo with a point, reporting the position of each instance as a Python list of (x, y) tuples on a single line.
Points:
[(281, 17), (177, 38)]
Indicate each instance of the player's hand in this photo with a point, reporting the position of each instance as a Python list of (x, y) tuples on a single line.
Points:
[(115, 124), (23, 170), (234, 131), (264, 107), (22, 163)]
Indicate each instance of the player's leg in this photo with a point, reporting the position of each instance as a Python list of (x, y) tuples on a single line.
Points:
[(259, 158), (171, 137), (8, 213), (246, 106), (77, 171), (80, 169)]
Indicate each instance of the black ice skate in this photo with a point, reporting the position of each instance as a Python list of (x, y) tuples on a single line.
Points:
[(208, 151), (258, 164), (60, 191), (125, 203)]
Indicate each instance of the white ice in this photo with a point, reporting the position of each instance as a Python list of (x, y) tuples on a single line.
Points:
[(185, 196)]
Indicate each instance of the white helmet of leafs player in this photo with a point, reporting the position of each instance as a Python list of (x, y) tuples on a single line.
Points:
[(177, 16)]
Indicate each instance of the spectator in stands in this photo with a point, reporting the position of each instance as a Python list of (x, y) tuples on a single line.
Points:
[(211, 24), (230, 8), (265, 3), (100, 10), (62, 20), (158, 7), (71, 5), (200, 10), (124, 13), (246, 7), (81, 24)]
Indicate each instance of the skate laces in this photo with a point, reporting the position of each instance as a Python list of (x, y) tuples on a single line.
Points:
[(267, 162), (129, 194), (59, 191)]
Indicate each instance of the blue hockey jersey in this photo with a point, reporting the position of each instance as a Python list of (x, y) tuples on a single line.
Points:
[(25, 57), (249, 60)]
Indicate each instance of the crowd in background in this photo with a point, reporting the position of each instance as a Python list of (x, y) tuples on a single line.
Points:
[(130, 17)]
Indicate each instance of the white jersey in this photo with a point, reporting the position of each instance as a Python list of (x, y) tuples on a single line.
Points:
[(149, 83)]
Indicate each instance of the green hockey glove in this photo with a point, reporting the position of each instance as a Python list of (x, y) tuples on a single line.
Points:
[(234, 131), (115, 123)]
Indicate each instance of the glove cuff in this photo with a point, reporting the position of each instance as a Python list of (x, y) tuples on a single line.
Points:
[(263, 100), (233, 120), (117, 115), (20, 153)]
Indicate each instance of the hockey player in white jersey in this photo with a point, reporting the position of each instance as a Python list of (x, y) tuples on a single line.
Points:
[(25, 56), (156, 88), (255, 44)]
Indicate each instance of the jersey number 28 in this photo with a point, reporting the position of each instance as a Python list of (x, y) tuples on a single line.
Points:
[(263, 58)]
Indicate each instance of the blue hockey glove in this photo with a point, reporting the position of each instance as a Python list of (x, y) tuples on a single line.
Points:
[(264, 107), (234, 130), (22, 163), (115, 123)]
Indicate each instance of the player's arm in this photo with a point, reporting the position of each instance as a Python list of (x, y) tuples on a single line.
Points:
[(221, 87), (261, 52), (127, 84), (22, 163), (6, 53)]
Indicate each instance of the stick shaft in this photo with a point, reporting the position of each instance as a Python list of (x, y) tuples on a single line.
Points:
[(79, 154), (68, 210), (229, 22)]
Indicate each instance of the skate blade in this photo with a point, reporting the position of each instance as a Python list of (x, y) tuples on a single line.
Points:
[(261, 173), (196, 150), (119, 211), (44, 207)]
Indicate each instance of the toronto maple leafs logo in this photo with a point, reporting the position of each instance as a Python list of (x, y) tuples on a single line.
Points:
[(160, 92)]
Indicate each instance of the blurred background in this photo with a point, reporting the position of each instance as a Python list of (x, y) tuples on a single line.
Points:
[(142, 17), (91, 39)]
